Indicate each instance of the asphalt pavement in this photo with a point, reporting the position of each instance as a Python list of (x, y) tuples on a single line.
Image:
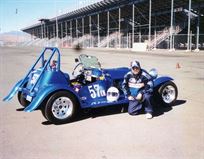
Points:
[(174, 133)]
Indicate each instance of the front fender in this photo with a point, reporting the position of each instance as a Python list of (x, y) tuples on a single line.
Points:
[(161, 80), (45, 92)]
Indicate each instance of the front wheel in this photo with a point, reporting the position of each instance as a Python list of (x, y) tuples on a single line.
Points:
[(61, 107), (168, 93)]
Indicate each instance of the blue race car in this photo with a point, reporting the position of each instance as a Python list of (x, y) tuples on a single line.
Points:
[(60, 98)]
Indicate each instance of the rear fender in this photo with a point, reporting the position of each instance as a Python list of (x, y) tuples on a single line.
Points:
[(161, 80), (44, 93)]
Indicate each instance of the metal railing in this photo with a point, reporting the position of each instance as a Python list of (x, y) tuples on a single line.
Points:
[(160, 40)]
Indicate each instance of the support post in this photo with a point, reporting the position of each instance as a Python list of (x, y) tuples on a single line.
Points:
[(83, 29), (61, 30), (150, 21), (198, 32), (77, 29), (171, 28), (66, 28), (53, 36), (127, 41), (41, 30), (90, 44), (98, 29), (189, 27), (108, 29), (71, 32), (155, 39), (119, 26), (57, 29), (47, 32), (133, 24), (44, 31)]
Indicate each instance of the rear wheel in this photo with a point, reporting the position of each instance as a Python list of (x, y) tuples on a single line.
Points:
[(168, 93), (61, 107), (22, 100)]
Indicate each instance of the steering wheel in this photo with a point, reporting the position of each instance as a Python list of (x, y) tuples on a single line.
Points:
[(78, 70)]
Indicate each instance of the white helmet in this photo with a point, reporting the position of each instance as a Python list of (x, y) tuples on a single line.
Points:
[(112, 94)]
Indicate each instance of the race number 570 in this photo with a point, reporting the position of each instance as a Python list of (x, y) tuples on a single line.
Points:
[(95, 91)]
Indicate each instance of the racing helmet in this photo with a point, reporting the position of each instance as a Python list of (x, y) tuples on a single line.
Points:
[(135, 64), (96, 73), (112, 94)]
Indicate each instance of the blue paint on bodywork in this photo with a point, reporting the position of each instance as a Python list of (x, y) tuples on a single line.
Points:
[(161, 80), (44, 93), (104, 102), (93, 92), (117, 73), (49, 82), (53, 77), (39, 84)]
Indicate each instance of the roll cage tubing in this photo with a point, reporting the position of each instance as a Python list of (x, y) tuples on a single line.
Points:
[(43, 65), (54, 50)]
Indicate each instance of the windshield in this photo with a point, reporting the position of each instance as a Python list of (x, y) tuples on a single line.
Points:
[(89, 61)]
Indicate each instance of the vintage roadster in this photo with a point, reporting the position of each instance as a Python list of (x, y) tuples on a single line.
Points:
[(59, 97)]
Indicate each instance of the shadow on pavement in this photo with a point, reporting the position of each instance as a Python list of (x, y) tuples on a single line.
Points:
[(161, 109), (19, 109), (118, 109), (96, 112), (178, 103)]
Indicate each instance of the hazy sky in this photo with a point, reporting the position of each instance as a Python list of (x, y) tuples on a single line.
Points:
[(18, 14)]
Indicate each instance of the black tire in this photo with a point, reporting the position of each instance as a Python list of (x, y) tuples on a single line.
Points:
[(22, 100), (168, 93), (42, 107), (61, 107)]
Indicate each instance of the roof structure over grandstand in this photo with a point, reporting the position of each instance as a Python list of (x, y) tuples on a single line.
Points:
[(131, 18)]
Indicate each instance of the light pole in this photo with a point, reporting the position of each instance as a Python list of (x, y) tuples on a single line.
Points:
[(17, 27)]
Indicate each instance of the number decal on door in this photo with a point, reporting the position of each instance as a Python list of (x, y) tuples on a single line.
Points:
[(95, 91)]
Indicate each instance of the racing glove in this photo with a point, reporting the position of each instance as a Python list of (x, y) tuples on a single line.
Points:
[(131, 98)]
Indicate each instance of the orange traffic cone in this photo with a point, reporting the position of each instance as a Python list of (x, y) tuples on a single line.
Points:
[(178, 65)]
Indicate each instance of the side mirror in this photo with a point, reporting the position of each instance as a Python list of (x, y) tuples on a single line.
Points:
[(76, 60)]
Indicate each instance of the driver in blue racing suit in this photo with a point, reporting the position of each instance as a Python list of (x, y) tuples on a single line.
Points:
[(138, 88)]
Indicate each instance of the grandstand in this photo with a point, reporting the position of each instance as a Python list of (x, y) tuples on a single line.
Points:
[(166, 24)]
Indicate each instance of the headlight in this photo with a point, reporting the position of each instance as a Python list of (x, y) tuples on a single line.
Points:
[(153, 72)]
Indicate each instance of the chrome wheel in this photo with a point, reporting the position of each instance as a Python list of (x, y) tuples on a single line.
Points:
[(62, 108), (168, 94)]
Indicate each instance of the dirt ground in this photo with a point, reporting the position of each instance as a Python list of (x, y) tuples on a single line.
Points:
[(173, 133)]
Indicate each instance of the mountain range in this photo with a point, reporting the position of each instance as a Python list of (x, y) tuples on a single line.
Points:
[(14, 36)]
